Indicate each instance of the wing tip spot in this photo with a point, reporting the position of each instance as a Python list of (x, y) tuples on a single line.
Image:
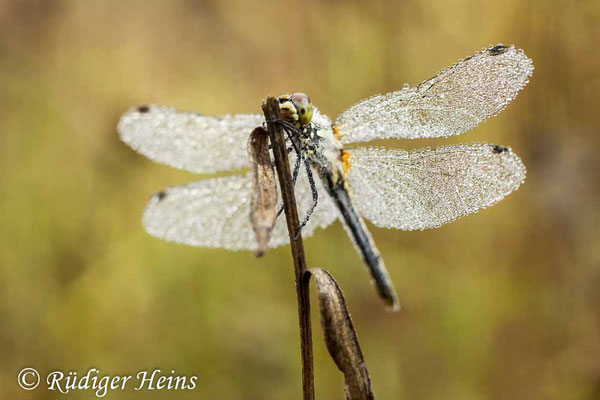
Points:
[(497, 50), (160, 196), (497, 149), (143, 109)]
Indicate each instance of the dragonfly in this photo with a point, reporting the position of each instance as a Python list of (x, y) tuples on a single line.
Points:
[(335, 179)]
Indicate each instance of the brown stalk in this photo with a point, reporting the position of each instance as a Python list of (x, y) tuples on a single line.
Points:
[(271, 110)]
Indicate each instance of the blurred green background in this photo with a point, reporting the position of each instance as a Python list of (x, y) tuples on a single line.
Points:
[(503, 304)]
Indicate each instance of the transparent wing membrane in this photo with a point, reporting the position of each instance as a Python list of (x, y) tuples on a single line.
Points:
[(216, 213), (188, 140), (409, 190), (452, 102), (426, 188)]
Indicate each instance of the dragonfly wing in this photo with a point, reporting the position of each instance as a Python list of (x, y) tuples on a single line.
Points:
[(216, 213), (427, 188), (452, 102), (188, 140)]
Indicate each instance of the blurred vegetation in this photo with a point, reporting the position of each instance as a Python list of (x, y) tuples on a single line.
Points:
[(503, 304)]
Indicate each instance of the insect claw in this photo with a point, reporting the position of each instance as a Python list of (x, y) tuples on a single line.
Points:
[(299, 231)]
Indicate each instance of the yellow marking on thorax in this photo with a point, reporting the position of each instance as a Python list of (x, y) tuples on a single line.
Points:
[(345, 156), (336, 132)]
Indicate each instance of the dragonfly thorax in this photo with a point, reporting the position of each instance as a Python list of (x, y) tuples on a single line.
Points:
[(319, 144)]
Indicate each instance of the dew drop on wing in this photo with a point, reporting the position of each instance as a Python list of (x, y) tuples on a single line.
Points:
[(143, 109), (499, 49)]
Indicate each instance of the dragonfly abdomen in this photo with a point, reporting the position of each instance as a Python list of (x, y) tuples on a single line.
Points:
[(357, 230)]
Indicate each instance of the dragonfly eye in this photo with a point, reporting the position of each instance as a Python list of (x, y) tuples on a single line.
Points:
[(304, 107)]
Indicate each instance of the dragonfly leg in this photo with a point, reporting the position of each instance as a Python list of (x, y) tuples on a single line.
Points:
[(315, 197), (290, 130), (287, 126), (294, 176), (288, 149)]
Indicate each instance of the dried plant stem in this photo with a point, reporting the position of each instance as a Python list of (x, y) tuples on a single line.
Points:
[(271, 110)]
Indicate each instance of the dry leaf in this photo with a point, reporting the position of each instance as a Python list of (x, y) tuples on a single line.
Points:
[(263, 196), (340, 336)]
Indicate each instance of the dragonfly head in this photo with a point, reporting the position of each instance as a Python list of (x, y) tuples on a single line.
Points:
[(296, 108)]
